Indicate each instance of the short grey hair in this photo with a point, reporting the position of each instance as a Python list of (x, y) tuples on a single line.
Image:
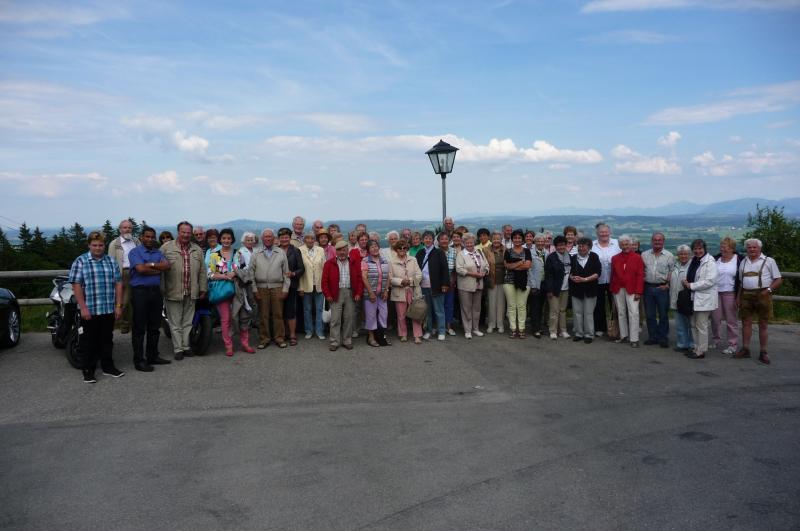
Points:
[(756, 241), (247, 234), (467, 236), (265, 231), (683, 247), (625, 238), (301, 218), (392, 233), (539, 236), (374, 236)]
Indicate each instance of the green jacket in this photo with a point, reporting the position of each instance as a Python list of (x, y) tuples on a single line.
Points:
[(172, 279)]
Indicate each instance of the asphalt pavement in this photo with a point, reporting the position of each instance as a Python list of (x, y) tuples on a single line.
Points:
[(490, 433)]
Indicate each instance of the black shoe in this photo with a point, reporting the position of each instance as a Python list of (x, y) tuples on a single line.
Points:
[(695, 356), (88, 377), (663, 344), (651, 342), (587, 340), (158, 360), (576, 338), (188, 353), (143, 366), (113, 372), (178, 356)]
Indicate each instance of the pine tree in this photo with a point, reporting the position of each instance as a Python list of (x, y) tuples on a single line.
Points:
[(24, 237), (136, 227), (77, 237), (8, 255), (109, 231), (38, 245)]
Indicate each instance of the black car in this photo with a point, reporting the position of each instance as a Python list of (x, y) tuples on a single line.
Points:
[(10, 319)]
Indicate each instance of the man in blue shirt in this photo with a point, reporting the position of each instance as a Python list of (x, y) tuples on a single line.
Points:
[(146, 263), (97, 283)]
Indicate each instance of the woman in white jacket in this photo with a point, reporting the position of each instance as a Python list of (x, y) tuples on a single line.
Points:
[(310, 286), (471, 270), (701, 279)]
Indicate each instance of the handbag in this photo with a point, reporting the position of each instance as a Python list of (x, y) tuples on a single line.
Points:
[(326, 312), (418, 309), (220, 290), (684, 304)]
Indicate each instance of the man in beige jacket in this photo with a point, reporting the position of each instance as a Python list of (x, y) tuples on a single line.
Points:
[(182, 284), (269, 267), (118, 249)]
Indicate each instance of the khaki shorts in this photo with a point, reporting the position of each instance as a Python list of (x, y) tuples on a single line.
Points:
[(756, 303)]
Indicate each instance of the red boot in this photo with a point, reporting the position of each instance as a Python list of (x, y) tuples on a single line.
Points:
[(244, 336)]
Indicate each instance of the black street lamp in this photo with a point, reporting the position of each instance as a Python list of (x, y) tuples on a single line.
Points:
[(442, 156)]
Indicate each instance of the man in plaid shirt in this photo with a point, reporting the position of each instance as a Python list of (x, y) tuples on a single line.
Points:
[(97, 283)]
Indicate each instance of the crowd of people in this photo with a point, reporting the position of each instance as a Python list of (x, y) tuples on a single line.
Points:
[(423, 285)]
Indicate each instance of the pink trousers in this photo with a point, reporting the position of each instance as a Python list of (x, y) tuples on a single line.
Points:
[(402, 329), (224, 310), (726, 309)]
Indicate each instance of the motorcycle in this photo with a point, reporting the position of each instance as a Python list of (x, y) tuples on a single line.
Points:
[(202, 327), (64, 321)]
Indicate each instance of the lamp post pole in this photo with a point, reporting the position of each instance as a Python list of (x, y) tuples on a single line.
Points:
[(444, 196)]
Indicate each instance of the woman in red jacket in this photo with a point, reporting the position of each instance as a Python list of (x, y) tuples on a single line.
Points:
[(627, 285)]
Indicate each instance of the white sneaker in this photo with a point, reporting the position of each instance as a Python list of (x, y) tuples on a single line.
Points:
[(729, 350), (468, 335), (451, 332), (308, 335), (478, 333), (599, 334), (565, 335), (426, 336), (355, 334), (321, 337), (553, 335), (440, 337), (501, 331), (489, 330)]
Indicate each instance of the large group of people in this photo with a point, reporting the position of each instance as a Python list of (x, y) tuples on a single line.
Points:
[(423, 285)]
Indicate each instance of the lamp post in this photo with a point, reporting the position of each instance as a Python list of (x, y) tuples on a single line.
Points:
[(442, 156)]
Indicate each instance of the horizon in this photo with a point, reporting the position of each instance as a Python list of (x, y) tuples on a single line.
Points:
[(330, 108)]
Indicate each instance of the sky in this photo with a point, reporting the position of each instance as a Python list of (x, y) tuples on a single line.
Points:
[(213, 111)]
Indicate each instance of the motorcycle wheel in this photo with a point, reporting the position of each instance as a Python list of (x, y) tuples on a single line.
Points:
[(74, 355), (200, 336), (55, 338)]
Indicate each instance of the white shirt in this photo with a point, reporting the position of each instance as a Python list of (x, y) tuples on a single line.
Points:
[(127, 247), (245, 254), (726, 274), (606, 254), (768, 274), (508, 244)]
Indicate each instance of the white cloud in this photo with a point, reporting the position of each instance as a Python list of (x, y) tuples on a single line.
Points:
[(751, 100), (162, 130), (596, 6), (367, 184), (634, 162), (167, 181), (291, 186), (36, 12), (494, 150), (224, 187), (780, 125), (746, 162), (670, 139), (221, 121), (633, 37), (193, 144), (795, 142), (51, 185), (735, 139), (340, 123)]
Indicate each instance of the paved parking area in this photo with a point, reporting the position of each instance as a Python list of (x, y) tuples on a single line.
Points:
[(487, 434)]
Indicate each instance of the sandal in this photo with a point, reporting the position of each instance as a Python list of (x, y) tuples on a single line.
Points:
[(521, 335), (293, 341), (417, 341), (513, 334)]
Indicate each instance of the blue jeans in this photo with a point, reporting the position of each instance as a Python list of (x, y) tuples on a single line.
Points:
[(449, 303), (683, 330), (435, 307), (316, 324), (656, 300)]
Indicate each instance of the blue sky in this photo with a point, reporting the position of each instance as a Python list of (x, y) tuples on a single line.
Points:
[(213, 111)]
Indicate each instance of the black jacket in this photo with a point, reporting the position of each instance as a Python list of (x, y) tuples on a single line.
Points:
[(437, 268), (296, 265), (553, 274), (593, 266)]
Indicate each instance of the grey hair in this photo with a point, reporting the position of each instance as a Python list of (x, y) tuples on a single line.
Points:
[(496, 232), (625, 238), (392, 232), (247, 234), (547, 233), (263, 232), (657, 233), (753, 240), (539, 236), (374, 236), (683, 247), (467, 236), (301, 218)]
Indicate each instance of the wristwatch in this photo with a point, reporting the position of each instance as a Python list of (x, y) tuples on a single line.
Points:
[(769, 289), (152, 264)]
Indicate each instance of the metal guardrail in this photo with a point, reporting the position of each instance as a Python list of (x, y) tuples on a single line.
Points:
[(52, 273)]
